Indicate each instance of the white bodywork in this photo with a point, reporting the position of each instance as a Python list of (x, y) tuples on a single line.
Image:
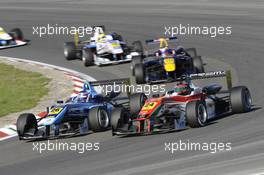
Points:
[(106, 44), (6, 37)]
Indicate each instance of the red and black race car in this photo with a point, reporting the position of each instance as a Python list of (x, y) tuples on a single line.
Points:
[(185, 105)]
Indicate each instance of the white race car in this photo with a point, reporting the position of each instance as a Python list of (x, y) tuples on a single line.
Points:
[(12, 39), (102, 49)]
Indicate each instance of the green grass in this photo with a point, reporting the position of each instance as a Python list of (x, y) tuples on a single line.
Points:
[(19, 89)]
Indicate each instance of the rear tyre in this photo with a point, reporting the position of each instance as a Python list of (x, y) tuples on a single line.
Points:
[(192, 52), (198, 64), (196, 114), (17, 34), (98, 119), (138, 47), (241, 100), (87, 57), (135, 60), (26, 122), (70, 51), (117, 37), (136, 102), (119, 117), (140, 75)]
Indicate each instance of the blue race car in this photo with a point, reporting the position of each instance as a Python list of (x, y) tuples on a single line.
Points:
[(165, 64), (89, 111), (12, 39), (102, 49)]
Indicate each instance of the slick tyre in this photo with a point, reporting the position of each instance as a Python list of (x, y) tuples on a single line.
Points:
[(136, 60), (196, 114), (87, 57), (26, 122), (98, 119), (70, 51), (136, 102), (119, 117), (198, 64), (140, 75), (241, 100), (138, 47), (17, 34), (192, 52)]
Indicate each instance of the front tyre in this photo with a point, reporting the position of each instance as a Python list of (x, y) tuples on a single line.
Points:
[(196, 114), (70, 51), (17, 34), (119, 118), (26, 123), (98, 119), (198, 64), (87, 57), (135, 60), (241, 100), (140, 75), (136, 102), (138, 47)]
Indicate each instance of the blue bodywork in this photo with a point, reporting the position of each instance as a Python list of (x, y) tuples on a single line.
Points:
[(155, 67), (76, 111)]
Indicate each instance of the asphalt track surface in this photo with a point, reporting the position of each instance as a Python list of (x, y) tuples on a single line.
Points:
[(243, 50)]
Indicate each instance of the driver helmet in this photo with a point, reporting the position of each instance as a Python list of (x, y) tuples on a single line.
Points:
[(164, 52), (83, 97), (101, 37), (182, 89)]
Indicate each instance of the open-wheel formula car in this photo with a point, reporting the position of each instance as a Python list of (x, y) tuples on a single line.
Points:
[(185, 105), (102, 49), (14, 38), (165, 64), (89, 111)]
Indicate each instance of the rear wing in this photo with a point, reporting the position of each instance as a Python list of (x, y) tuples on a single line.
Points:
[(162, 41), (214, 74)]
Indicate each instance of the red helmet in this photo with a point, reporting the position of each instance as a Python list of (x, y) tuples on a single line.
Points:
[(182, 89)]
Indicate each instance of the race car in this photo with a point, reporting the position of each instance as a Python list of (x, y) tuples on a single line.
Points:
[(89, 111), (12, 39), (165, 64), (102, 49), (184, 105)]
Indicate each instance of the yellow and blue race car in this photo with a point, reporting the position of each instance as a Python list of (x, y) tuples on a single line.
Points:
[(165, 64), (14, 38)]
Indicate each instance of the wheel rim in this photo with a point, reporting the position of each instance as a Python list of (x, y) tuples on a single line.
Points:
[(202, 114), (248, 100), (103, 119)]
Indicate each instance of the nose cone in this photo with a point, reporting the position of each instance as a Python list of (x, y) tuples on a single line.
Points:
[(149, 107)]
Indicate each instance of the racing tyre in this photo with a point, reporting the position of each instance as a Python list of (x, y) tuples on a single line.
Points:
[(26, 123), (198, 64), (241, 100), (119, 117), (98, 119), (117, 37), (192, 52), (140, 74), (136, 102), (138, 47), (196, 114), (17, 34), (135, 60), (87, 57), (70, 51)]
